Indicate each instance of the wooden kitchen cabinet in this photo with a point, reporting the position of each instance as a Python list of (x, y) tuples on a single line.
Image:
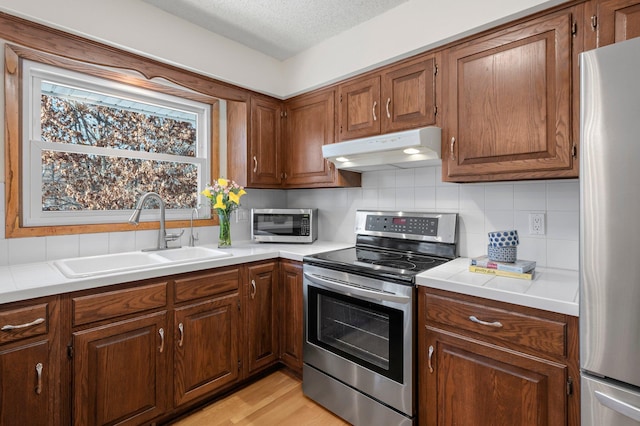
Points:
[(612, 21), (206, 333), (398, 97), (30, 363), (519, 366), (261, 289), (291, 314), (510, 102), (310, 124), (265, 168), (120, 360)]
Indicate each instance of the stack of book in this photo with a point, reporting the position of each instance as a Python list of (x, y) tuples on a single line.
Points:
[(523, 269)]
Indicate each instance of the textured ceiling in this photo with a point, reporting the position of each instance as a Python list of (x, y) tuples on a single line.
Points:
[(278, 28)]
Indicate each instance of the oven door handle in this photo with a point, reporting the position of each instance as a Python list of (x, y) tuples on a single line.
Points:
[(357, 291)]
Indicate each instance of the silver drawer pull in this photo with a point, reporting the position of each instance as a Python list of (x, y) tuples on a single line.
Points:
[(429, 359), (9, 327), (496, 324), (161, 333), (39, 368), (181, 329)]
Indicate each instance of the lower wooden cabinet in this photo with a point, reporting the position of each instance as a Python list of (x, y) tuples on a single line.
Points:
[(29, 364), (119, 371), (485, 362), (290, 315), (206, 333), (261, 320)]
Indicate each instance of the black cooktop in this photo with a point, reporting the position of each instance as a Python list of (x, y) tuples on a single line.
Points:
[(383, 263)]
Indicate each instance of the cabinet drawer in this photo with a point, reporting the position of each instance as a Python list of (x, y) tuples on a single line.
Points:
[(22, 323), (207, 284), (493, 323), (111, 304)]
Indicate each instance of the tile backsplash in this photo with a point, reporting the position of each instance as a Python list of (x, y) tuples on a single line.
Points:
[(482, 207)]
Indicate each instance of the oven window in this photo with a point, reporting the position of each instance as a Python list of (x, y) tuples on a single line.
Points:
[(366, 333)]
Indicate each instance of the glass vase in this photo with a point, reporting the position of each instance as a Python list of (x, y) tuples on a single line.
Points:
[(224, 239)]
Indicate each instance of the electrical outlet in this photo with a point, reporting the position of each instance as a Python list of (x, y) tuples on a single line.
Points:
[(536, 223)]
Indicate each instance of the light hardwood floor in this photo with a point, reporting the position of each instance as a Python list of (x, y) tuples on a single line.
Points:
[(274, 400)]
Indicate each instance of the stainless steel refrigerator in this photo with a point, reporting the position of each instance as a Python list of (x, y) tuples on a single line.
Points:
[(610, 235)]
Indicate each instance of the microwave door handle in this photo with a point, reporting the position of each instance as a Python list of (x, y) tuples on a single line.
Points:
[(618, 406), (357, 291)]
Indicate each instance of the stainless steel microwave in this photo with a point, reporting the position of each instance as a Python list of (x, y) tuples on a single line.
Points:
[(284, 225)]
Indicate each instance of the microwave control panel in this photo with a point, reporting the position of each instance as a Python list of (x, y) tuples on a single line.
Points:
[(427, 226), (305, 227)]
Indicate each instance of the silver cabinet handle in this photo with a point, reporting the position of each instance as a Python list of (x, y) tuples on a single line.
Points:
[(618, 406), (10, 327), (253, 289), (39, 368), (496, 324), (161, 333), (373, 110), (453, 142), (429, 359), (388, 102), (181, 329), (255, 164)]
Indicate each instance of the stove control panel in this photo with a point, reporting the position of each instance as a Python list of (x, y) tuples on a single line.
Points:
[(416, 226), (403, 225)]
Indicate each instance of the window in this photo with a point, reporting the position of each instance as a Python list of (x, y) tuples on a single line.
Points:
[(92, 146)]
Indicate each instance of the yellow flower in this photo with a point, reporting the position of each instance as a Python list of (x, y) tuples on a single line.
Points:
[(206, 193), (219, 204), (241, 193), (222, 182), (234, 197)]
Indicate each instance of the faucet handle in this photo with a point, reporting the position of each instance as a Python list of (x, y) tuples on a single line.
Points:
[(192, 239), (173, 237)]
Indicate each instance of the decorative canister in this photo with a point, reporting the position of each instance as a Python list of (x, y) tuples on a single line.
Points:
[(504, 238), (507, 254)]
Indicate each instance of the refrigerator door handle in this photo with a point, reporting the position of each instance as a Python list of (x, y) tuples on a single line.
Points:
[(618, 406)]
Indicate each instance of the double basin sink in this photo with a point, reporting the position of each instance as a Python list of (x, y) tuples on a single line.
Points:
[(79, 267)]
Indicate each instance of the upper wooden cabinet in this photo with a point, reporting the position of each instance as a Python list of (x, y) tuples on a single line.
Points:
[(310, 124), (265, 167), (612, 21), (509, 105), (399, 97)]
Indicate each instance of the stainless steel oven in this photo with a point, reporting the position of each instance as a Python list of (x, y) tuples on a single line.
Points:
[(359, 333)]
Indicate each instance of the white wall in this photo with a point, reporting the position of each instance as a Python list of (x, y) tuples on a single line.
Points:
[(482, 208), (136, 26), (412, 27)]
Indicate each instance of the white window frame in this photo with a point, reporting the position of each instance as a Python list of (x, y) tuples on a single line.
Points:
[(32, 145)]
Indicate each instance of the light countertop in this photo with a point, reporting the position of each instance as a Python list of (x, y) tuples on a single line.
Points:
[(553, 290), (30, 280)]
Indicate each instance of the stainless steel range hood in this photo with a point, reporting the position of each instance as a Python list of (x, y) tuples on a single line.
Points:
[(401, 150)]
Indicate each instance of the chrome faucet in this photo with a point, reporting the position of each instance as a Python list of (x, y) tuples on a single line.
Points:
[(193, 238), (163, 237)]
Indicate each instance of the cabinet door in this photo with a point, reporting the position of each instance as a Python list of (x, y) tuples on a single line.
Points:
[(291, 315), (266, 133), (120, 372), (310, 124), (475, 384), (30, 367), (261, 305), (206, 347), (26, 385), (615, 21), (508, 100), (409, 96), (359, 110)]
